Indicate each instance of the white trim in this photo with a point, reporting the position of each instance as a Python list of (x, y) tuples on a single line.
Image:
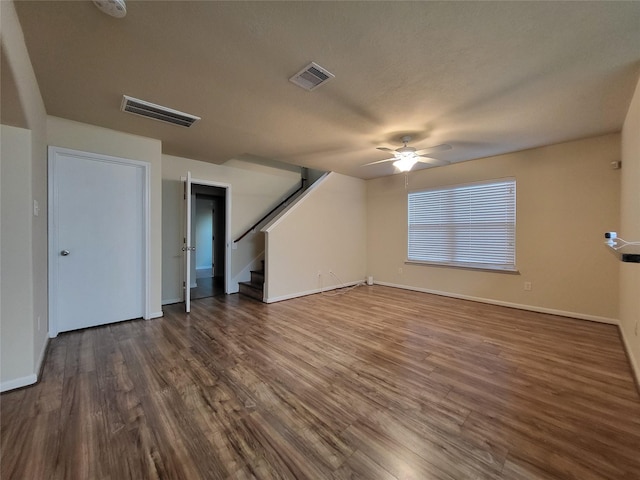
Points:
[(170, 301), (146, 254), (153, 315), (18, 382), (51, 247), (635, 368), (51, 228), (312, 292), (187, 284), (531, 308)]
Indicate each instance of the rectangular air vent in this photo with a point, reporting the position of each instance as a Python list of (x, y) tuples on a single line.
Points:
[(157, 112), (311, 76)]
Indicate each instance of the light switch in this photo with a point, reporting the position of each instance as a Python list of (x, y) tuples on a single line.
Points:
[(36, 208)]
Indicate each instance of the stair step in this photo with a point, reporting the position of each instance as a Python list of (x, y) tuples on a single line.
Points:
[(255, 287), (257, 276), (253, 290)]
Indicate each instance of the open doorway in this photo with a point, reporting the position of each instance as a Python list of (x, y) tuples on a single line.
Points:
[(208, 234)]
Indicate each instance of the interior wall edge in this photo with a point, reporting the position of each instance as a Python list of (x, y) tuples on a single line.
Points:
[(41, 357)]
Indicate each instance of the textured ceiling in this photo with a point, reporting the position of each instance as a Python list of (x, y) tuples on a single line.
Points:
[(485, 77)]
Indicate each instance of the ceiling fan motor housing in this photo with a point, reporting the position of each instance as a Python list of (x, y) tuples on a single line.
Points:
[(113, 8)]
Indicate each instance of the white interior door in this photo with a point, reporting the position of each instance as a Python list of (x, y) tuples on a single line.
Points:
[(187, 244), (97, 239)]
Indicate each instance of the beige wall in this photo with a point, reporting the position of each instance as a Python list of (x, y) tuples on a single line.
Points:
[(89, 138), (16, 339), (630, 231), (254, 191), (31, 333), (567, 197), (324, 232)]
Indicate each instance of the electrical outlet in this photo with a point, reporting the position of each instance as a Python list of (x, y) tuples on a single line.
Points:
[(400, 270), (527, 286)]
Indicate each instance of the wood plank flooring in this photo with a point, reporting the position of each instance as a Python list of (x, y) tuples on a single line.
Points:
[(378, 383)]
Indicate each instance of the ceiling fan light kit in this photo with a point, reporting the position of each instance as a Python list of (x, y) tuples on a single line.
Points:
[(405, 157), (406, 162)]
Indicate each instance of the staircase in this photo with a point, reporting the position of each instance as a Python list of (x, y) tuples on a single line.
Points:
[(255, 287)]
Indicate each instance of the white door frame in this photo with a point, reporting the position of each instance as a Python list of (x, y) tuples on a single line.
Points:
[(227, 226), (188, 240), (52, 227)]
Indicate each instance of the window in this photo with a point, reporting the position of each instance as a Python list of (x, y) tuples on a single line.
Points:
[(466, 225)]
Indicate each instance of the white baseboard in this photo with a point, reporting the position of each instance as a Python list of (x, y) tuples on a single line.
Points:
[(532, 308), (153, 315), (18, 382), (635, 368), (169, 301), (311, 292), (29, 379)]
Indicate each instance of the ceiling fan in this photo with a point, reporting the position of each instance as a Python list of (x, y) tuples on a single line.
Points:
[(404, 158)]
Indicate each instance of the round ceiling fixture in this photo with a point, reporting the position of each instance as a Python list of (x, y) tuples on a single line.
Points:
[(405, 157), (114, 8)]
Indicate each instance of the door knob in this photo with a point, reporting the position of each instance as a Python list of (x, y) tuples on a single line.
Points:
[(64, 253)]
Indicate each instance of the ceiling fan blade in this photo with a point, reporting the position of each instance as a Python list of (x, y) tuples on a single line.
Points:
[(437, 148), (380, 161), (385, 149), (432, 161)]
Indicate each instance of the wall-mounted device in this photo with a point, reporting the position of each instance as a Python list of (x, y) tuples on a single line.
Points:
[(625, 251)]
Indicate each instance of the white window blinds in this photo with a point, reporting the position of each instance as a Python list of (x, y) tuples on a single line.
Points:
[(467, 225)]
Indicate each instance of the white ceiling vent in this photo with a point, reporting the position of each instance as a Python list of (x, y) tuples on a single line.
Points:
[(157, 112), (312, 76)]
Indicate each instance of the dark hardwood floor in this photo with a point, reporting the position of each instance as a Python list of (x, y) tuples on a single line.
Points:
[(378, 383), (207, 287)]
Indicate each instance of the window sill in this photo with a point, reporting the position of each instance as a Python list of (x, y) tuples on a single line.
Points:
[(482, 268)]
